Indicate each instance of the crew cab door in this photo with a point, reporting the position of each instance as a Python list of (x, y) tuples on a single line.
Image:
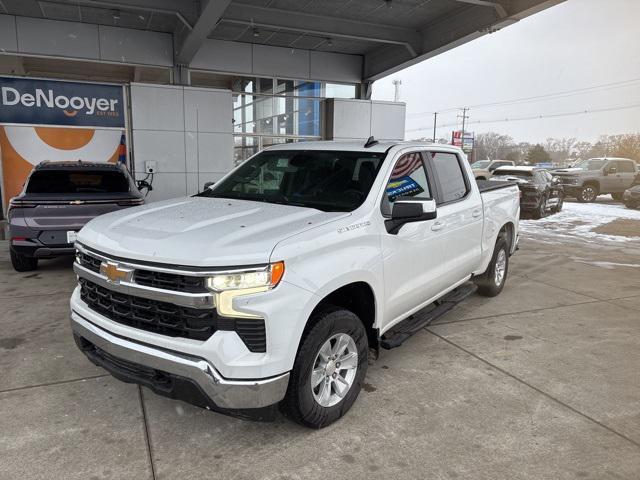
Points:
[(626, 172), (412, 256), (460, 216)]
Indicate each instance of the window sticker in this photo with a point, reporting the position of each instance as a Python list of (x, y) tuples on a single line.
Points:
[(403, 187)]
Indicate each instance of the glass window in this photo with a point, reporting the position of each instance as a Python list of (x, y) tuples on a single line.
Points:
[(85, 181), (338, 90), (328, 181), (450, 177), (625, 167), (244, 147), (408, 179)]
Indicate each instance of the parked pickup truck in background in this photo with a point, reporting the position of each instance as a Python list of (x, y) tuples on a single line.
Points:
[(272, 286), (483, 169), (596, 176), (58, 199)]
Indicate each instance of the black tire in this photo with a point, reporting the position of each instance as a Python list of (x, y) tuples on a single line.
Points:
[(542, 208), (487, 283), (558, 207), (617, 196), (588, 194), (22, 263), (299, 403), (480, 178)]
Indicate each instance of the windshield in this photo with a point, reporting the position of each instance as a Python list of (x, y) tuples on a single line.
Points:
[(481, 164), (73, 182), (591, 164), (325, 180)]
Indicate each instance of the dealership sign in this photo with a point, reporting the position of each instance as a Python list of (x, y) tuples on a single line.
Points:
[(49, 102)]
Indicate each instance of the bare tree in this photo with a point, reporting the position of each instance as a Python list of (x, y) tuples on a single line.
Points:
[(492, 145)]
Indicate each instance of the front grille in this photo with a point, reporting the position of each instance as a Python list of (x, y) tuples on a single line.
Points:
[(168, 319), (170, 281), (87, 261)]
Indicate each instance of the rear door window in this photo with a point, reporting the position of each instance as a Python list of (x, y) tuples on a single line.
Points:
[(75, 182), (625, 167), (451, 180)]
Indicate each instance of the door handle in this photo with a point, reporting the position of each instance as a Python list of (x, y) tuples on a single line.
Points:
[(476, 213), (437, 226)]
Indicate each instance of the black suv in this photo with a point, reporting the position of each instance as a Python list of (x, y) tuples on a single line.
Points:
[(58, 199)]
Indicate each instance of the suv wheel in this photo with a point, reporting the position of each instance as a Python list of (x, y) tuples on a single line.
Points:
[(588, 194), (492, 281), (542, 207), (22, 263), (558, 207), (329, 369)]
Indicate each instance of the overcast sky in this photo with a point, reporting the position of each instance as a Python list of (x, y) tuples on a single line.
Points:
[(576, 45)]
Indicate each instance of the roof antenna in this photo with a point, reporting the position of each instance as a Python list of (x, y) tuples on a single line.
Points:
[(370, 142)]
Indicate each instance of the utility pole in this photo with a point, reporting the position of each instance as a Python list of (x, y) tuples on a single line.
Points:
[(396, 84), (464, 117), (435, 124)]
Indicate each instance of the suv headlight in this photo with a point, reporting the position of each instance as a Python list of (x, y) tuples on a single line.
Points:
[(263, 277), (229, 285)]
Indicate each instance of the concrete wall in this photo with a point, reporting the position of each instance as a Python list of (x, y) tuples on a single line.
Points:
[(248, 59), (35, 36), (186, 131), (358, 119)]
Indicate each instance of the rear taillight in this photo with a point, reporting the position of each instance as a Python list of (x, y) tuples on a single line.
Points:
[(18, 239), (14, 203), (131, 203)]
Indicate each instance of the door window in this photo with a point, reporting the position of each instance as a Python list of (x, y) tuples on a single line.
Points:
[(408, 179), (624, 167), (451, 180)]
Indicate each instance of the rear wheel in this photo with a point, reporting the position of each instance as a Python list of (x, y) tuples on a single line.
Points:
[(329, 369), (588, 194), (492, 281), (22, 263)]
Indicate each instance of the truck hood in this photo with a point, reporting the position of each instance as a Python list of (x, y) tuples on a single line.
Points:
[(199, 231)]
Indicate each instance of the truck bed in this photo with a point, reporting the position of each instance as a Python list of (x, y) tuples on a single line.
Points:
[(489, 185)]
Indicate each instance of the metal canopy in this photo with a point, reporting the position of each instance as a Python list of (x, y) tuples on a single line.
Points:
[(388, 34)]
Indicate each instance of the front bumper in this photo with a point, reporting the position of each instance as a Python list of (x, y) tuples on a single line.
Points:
[(173, 374)]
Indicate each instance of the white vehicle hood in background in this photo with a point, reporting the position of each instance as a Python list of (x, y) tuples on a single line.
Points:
[(201, 231)]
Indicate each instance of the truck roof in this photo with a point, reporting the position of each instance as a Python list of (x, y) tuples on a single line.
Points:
[(357, 145), (73, 165)]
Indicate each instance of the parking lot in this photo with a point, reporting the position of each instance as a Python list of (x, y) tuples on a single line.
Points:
[(542, 381)]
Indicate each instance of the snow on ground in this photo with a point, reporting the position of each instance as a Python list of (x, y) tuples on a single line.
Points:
[(577, 221)]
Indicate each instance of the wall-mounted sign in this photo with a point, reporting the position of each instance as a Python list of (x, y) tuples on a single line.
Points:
[(51, 102)]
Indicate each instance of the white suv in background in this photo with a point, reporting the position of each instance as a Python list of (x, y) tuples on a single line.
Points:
[(483, 169)]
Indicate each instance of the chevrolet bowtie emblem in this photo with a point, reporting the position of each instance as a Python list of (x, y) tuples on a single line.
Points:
[(114, 273)]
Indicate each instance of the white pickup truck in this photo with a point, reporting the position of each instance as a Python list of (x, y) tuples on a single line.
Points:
[(274, 285)]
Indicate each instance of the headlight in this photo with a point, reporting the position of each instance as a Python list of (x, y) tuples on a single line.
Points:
[(227, 286), (265, 277)]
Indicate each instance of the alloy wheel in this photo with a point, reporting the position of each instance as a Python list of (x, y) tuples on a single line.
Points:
[(334, 370)]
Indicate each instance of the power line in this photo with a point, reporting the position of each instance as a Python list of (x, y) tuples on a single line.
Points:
[(537, 117), (566, 93)]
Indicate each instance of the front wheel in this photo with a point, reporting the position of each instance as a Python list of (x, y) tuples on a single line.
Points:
[(329, 369), (560, 203), (542, 208), (492, 281)]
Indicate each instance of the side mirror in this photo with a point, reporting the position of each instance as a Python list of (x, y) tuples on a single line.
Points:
[(208, 185), (407, 211)]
